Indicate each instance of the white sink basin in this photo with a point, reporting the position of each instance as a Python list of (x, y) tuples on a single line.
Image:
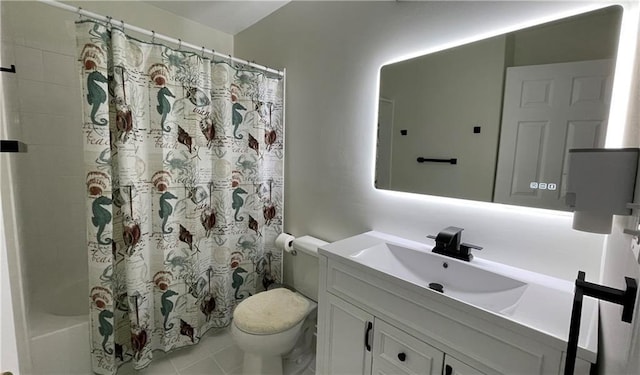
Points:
[(459, 279)]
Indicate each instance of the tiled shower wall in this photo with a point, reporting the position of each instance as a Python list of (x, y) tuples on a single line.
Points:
[(41, 102)]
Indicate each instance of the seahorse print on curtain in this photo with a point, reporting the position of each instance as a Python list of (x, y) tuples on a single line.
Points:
[(96, 96), (184, 163), (164, 106), (166, 210), (101, 217)]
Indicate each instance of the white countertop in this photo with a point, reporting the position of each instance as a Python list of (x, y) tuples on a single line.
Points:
[(543, 312)]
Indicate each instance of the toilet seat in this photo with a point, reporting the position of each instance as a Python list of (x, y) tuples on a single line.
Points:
[(271, 312)]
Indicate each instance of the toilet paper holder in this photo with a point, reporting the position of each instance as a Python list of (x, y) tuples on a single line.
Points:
[(284, 241), (305, 244)]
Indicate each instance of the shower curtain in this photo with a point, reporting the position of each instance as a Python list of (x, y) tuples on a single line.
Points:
[(184, 162)]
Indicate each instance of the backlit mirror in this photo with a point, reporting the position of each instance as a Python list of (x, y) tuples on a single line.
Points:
[(493, 120)]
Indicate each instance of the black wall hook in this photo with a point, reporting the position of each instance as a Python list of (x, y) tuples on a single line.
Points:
[(9, 70)]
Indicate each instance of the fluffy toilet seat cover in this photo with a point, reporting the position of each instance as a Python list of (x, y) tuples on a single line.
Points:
[(270, 312)]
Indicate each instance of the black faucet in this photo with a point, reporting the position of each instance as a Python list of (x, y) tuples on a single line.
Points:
[(448, 243)]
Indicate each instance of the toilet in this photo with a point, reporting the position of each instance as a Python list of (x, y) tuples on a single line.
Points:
[(279, 323)]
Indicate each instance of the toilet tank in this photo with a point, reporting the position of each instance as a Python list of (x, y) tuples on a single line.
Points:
[(301, 270)]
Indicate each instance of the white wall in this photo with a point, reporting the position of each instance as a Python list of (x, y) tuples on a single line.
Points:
[(332, 52), (620, 340), (620, 349)]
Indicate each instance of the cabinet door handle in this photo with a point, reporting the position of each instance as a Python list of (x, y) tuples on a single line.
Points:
[(448, 370), (402, 357), (366, 336)]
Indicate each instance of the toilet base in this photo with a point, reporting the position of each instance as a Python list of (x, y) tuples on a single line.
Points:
[(256, 364)]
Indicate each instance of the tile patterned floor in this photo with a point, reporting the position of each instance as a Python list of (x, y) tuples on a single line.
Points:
[(216, 354)]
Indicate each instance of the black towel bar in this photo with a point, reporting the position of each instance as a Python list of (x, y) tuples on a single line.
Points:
[(626, 298), (450, 161), (9, 70)]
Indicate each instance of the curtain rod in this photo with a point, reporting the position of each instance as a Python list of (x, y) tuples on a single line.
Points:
[(153, 34)]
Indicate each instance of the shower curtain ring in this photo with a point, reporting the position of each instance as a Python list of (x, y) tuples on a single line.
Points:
[(109, 21), (153, 36), (122, 22), (79, 13), (202, 52), (179, 44)]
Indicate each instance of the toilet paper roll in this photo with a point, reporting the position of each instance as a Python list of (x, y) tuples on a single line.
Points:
[(284, 241)]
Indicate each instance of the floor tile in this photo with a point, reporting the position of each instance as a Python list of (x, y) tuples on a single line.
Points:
[(160, 365), (229, 358), (185, 357), (236, 371), (216, 341), (206, 366)]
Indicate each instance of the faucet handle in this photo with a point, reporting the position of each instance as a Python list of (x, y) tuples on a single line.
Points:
[(468, 246), (465, 250)]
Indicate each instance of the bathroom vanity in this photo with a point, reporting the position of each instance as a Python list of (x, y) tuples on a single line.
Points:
[(378, 315)]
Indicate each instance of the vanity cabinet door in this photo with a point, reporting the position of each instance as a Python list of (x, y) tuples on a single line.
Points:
[(397, 352), (348, 337), (454, 367)]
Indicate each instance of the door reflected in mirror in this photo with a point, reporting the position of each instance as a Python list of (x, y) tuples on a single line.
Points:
[(493, 120)]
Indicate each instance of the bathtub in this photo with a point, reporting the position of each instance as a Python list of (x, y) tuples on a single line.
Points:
[(59, 329)]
